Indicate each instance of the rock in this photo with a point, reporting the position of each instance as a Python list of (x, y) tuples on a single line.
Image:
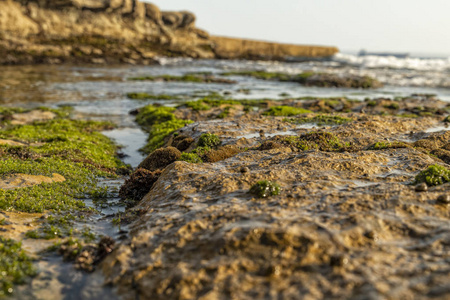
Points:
[(11, 143), (444, 199), (233, 48), (32, 116), (36, 31), (421, 187), (139, 183), (153, 13), (200, 233), (160, 158), (244, 169), (16, 181)]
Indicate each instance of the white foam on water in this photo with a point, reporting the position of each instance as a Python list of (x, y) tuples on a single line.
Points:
[(392, 62)]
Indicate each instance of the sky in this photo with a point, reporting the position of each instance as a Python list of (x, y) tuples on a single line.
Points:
[(414, 26)]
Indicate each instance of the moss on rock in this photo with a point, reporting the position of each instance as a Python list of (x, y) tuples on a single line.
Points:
[(434, 175), (15, 266), (265, 188), (209, 140), (286, 111), (160, 158), (159, 122)]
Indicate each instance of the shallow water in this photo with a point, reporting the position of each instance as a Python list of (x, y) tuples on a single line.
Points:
[(99, 93)]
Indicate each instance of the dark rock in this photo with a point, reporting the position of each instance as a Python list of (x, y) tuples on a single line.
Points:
[(139, 184), (421, 187), (444, 199)]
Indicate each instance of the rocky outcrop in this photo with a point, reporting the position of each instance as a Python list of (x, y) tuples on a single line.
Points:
[(226, 47), (335, 221), (96, 31), (117, 31)]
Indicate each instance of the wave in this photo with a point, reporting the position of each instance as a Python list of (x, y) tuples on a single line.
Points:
[(392, 62)]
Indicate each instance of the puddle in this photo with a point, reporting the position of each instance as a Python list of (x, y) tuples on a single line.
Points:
[(438, 128), (267, 135), (132, 140)]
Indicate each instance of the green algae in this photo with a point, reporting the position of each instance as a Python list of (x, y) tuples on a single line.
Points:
[(71, 140), (388, 145), (433, 175), (265, 188), (159, 122), (15, 266), (225, 113), (184, 78), (192, 158), (286, 111), (260, 75), (73, 149), (55, 226), (209, 140), (197, 105), (146, 96), (320, 120), (201, 151), (447, 119), (323, 141), (392, 106), (312, 79)]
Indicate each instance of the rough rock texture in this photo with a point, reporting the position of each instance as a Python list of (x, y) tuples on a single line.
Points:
[(95, 31), (116, 31), (348, 224)]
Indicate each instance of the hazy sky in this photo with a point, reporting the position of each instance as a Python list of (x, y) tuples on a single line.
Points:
[(416, 26)]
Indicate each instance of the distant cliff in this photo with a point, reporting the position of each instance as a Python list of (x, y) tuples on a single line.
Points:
[(117, 31)]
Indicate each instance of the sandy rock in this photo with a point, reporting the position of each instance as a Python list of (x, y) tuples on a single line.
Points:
[(24, 180), (35, 31), (32, 116), (11, 143)]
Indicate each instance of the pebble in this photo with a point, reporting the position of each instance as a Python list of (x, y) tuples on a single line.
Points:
[(262, 134), (338, 260), (421, 187), (244, 169), (444, 199)]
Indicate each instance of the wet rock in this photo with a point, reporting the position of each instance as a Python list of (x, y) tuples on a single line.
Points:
[(442, 154), (139, 183), (32, 116), (221, 153), (182, 142), (421, 187), (160, 158), (444, 199), (244, 169), (16, 181), (269, 145)]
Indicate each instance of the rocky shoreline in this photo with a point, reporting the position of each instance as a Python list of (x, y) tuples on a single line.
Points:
[(119, 31), (311, 197), (350, 217), (237, 198)]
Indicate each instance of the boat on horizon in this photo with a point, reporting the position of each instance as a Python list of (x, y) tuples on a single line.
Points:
[(394, 54)]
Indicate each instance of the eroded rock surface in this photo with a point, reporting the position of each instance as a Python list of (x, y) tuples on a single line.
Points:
[(348, 222), (95, 31), (118, 31)]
